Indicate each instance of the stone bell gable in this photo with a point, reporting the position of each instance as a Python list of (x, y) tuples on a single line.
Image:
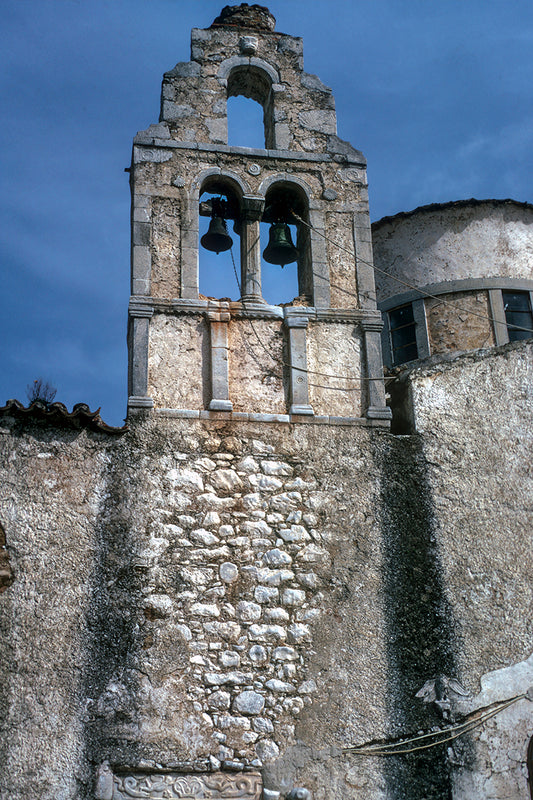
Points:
[(317, 356)]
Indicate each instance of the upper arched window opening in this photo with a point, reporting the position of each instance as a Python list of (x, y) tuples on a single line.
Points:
[(246, 126), (250, 85)]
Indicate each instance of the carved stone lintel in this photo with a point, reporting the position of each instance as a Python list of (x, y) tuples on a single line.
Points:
[(208, 786)]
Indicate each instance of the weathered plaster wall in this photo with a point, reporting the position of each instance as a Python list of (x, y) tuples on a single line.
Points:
[(334, 361), (208, 595), (178, 361), (52, 491), (474, 418), (256, 374), (181, 592), (456, 241)]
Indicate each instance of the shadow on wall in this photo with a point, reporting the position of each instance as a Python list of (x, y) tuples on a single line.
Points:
[(421, 638), (6, 573)]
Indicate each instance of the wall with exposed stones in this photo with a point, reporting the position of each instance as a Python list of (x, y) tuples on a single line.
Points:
[(459, 321), (183, 590), (221, 597)]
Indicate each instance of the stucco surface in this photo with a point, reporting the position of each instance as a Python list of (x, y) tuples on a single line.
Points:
[(334, 362), (256, 374), (52, 490), (474, 415), (178, 361), (484, 240)]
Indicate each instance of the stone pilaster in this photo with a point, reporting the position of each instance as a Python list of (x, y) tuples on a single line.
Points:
[(218, 334), (375, 393), (138, 341), (299, 384)]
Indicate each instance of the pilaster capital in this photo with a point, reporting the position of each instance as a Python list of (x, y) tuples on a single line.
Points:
[(296, 318), (217, 316), (140, 308), (253, 207)]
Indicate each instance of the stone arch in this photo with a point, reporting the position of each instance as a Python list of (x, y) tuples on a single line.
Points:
[(257, 64), (295, 194), (232, 189), (6, 573), (257, 80), (230, 178)]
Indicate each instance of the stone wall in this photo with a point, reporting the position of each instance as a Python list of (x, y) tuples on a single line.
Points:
[(225, 596), (459, 321), (180, 597)]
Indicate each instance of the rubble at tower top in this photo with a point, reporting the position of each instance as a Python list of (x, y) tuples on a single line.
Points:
[(254, 16)]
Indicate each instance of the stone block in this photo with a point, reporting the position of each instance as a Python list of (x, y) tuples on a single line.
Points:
[(266, 594), (249, 703), (321, 121), (276, 558), (228, 572)]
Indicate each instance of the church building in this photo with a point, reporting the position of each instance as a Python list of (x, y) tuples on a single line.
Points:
[(303, 568)]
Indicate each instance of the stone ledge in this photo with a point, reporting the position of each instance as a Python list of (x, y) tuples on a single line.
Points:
[(141, 305), (452, 287), (147, 139), (303, 419)]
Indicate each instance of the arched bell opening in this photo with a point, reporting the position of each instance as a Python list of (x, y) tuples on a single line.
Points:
[(286, 260), (219, 240)]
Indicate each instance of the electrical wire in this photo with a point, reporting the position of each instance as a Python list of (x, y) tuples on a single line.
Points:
[(301, 369), (456, 731), (422, 294), (361, 378)]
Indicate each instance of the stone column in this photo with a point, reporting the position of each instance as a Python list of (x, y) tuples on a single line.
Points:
[(375, 394), (366, 288), (252, 211), (299, 384), (138, 341), (218, 334)]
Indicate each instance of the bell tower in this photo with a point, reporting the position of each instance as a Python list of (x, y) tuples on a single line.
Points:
[(317, 358)]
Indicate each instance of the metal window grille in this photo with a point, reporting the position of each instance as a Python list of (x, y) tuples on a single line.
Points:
[(403, 334), (518, 316)]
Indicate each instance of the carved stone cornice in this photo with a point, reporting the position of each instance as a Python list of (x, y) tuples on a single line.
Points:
[(207, 786)]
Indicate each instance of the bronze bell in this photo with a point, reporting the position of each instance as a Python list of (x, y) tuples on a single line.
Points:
[(280, 249), (217, 238)]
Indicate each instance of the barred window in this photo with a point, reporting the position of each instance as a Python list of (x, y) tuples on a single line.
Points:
[(518, 316), (403, 334)]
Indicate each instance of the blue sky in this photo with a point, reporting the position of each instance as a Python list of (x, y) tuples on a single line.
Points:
[(438, 96)]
